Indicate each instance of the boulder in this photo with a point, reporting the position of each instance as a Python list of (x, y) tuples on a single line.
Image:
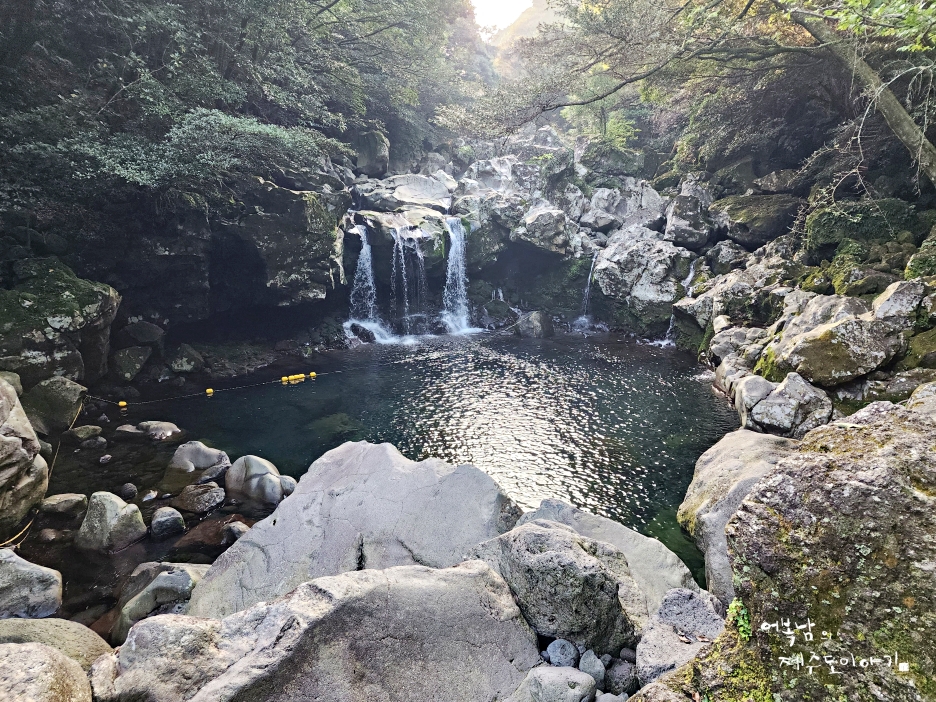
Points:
[(24, 475), (749, 391), (621, 677), (657, 692), (127, 363), (654, 568), (34, 672), (67, 504), (372, 149), (159, 431), (187, 360), (27, 590), (755, 220), (76, 435), (403, 633), (141, 333), (259, 480), (75, 640), (359, 506), (110, 524), (548, 684), (545, 228), (569, 586), (14, 381), (199, 499), (166, 522), (900, 302), (726, 256), (53, 404), (232, 532), (193, 462), (155, 588), (724, 475), (535, 325), (687, 222), (685, 623), (923, 400), (793, 408)]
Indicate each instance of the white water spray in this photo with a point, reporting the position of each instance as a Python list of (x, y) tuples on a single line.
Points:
[(455, 294)]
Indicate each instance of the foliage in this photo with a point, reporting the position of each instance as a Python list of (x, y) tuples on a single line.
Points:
[(910, 24), (739, 616)]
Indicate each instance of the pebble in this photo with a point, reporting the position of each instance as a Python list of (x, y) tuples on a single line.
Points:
[(150, 496), (106, 458), (563, 653), (127, 492)]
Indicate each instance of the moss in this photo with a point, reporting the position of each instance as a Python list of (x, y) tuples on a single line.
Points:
[(768, 367), (757, 212), (865, 220), (921, 351), (923, 263), (730, 671), (818, 281), (670, 179)]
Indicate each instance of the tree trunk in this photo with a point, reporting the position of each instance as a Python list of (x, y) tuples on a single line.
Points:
[(885, 101)]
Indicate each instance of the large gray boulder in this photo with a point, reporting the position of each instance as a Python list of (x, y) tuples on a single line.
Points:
[(535, 325), (654, 568), (923, 400), (549, 684), (793, 408), (26, 589), (75, 640), (53, 404), (569, 586), (359, 506), (34, 672), (24, 475), (110, 524), (259, 480), (724, 475), (685, 623), (406, 633), (193, 462)]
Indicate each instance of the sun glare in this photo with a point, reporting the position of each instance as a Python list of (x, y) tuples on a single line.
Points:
[(498, 13)]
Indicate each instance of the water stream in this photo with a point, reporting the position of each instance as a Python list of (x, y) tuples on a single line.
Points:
[(455, 295)]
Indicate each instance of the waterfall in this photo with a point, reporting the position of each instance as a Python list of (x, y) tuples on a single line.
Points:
[(687, 283), (670, 338), (398, 275), (364, 290), (455, 294), (587, 296)]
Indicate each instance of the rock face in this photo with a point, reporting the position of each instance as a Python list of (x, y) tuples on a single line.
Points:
[(724, 475), (402, 633), (75, 640), (53, 404), (838, 538), (359, 506), (32, 672), (685, 623), (110, 524), (259, 480), (654, 568), (27, 590), (569, 586), (24, 475)]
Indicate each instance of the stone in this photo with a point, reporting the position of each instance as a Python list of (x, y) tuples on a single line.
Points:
[(76, 435), (900, 300), (535, 325), (923, 400), (129, 433), (755, 220), (53, 404), (127, 363), (686, 614), (748, 392), (159, 431), (232, 532), (793, 408), (657, 692), (27, 590), (569, 587), (654, 568), (166, 522), (258, 480), (76, 641), (373, 153), (549, 684), (153, 589), (545, 228), (187, 360), (199, 498), (726, 256), (778, 181), (127, 492), (110, 524), (359, 506), (13, 380), (562, 653), (68, 504), (608, 697), (591, 664), (687, 222), (724, 475), (34, 672), (193, 462), (456, 635), (621, 677), (24, 474)]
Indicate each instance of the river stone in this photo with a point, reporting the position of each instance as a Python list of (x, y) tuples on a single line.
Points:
[(110, 524), (405, 633), (562, 653), (591, 664), (167, 591), (67, 504), (53, 404), (75, 640), (549, 684), (127, 363), (199, 499), (923, 400), (76, 435), (359, 506), (691, 614), (24, 474), (34, 672), (569, 586), (27, 590), (159, 431), (187, 360), (259, 480), (166, 522), (193, 462), (621, 677), (723, 477), (232, 532), (535, 325), (654, 568)]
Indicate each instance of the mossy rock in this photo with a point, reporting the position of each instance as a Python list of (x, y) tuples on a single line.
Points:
[(853, 278), (755, 220), (871, 220), (923, 263), (602, 157), (670, 179), (921, 352), (817, 280)]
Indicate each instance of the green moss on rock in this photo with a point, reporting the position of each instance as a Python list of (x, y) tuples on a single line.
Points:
[(865, 221)]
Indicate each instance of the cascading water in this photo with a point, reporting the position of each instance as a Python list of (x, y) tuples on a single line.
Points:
[(399, 279), (455, 294), (583, 321), (364, 290), (670, 338)]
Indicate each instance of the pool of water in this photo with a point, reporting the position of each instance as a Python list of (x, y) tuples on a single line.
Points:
[(611, 426)]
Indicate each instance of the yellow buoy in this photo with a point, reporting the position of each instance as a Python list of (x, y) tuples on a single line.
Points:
[(285, 379), (209, 392), (312, 375), (122, 404)]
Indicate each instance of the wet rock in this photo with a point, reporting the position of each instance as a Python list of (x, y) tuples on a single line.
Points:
[(654, 568), (359, 506), (127, 363), (199, 498), (569, 586), (127, 492), (364, 334), (591, 664), (685, 623), (26, 589), (24, 474), (562, 653), (76, 641), (129, 433), (67, 504), (187, 360), (193, 462), (259, 480), (155, 588), (159, 431), (621, 677), (535, 325), (232, 532), (98, 443), (457, 633), (34, 672), (110, 524), (53, 404), (77, 435), (53, 536), (549, 684), (166, 522), (724, 475)]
